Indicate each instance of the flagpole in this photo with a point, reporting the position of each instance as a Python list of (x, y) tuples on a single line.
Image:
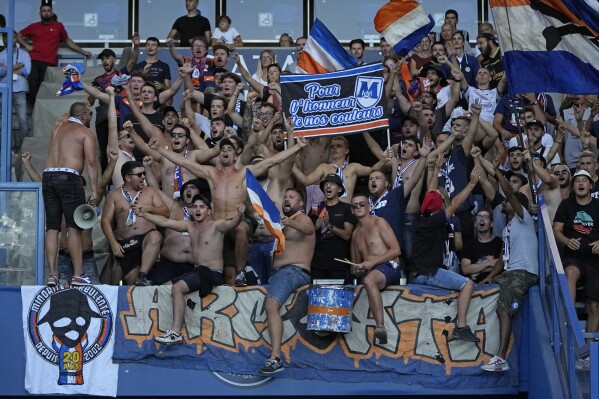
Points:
[(388, 138)]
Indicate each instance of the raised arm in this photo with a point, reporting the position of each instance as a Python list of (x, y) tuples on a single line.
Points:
[(171, 48), (113, 130), (31, 171), (485, 184), (134, 53), (548, 178), (230, 224), (509, 194), (424, 150), (231, 105), (459, 199), (171, 91), (373, 146), (472, 129), (202, 171), (259, 87), (91, 162), (106, 178), (140, 143), (95, 93), (159, 220), (262, 167)]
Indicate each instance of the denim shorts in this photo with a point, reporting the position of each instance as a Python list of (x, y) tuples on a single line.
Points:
[(442, 279), (66, 270), (286, 279)]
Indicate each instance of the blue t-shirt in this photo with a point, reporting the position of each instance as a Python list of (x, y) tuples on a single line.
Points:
[(392, 208), (454, 174)]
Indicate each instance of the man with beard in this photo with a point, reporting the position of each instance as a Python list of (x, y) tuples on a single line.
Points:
[(206, 236), (535, 131), (191, 25), (158, 72), (375, 253), (467, 63), (291, 270), (519, 269), (72, 146), (491, 57), (102, 82), (577, 115), (172, 176), (334, 224), (481, 255), (340, 165), (136, 242), (386, 49), (228, 188), (45, 37), (546, 184), (562, 172), (574, 228), (515, 158)]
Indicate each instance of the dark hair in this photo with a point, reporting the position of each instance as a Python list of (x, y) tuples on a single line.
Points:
[(275, 65), (139, 74), (360, 193), (269, 105), (201, 198), (454, 12), (230, 75), (225, 17), (221, 98), (78, 108), (198, 38), (220, 47), (301, 37), (359, 41), (129, 166), (300, 192), (153, 39), (180, 126), (218, 119)]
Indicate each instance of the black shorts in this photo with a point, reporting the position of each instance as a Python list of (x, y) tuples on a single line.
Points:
[(132, 247), (165, 270), (63, 193), (589, 274), (201, 279)]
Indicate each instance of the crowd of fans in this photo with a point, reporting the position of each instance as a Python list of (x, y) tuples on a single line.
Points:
[(452, 203)]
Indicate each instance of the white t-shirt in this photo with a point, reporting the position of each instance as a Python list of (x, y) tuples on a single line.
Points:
[(487, 98), (227, 37)]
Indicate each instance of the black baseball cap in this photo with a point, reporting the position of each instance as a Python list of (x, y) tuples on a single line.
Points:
[(106, 52), (225, 142), (520, 176), (535, 122), (169, 108)]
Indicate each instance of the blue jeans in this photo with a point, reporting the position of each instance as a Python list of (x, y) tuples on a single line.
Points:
[(442, 279), (286, 279), (19, 106), (260, 258), (66, 270)]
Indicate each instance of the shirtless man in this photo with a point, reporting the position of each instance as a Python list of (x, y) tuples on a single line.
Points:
[(118, 141), (316, 152), (228, 188), (136, 241), (206, 236), (375, 251), (291, 270), (562, 172), (72, 146), (340, 165)]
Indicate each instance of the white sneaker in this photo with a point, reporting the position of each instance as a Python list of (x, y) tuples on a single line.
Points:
[(170, 338), (496, 364), (583, 364)]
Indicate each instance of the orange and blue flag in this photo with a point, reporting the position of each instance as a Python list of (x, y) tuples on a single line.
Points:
[(323, 53), (403, 23), (266, 209), (549, 45)]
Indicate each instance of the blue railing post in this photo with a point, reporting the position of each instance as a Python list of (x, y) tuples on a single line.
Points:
[(6, 92), (594, 370)]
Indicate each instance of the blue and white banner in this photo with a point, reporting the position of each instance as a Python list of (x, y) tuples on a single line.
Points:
[(549, 45), (69, 340), (342, 102)]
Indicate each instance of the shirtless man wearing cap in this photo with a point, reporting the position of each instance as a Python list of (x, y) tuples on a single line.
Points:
[(228, 188), (72, 146)]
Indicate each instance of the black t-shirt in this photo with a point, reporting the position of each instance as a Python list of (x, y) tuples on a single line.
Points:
[(579, 222), (155, 118), (481, 251), (430, 233), (595, 189), (328, 245), (158, 72), (190, 27)]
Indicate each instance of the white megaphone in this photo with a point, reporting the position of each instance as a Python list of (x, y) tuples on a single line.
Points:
[(85, 216)]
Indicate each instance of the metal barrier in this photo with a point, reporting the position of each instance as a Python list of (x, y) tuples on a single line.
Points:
[(567, 337)]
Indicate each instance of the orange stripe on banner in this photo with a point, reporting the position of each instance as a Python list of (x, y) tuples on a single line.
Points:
[(509, 3), (559, 6), (310, 65), (312, 309), (344, 129), (391, 12)]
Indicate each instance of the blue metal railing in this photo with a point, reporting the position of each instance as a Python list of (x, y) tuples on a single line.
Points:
[(561, 315), (6, 93)]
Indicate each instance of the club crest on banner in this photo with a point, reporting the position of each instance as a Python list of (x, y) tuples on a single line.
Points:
[(368, 91), (69, 327)]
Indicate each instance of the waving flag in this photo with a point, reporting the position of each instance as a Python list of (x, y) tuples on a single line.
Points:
[(266, 209), (403, 23), (323, 53), (72, 73), (549, 45)]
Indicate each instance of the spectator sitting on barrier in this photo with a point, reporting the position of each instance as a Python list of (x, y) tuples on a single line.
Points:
[(375, 252), (225, 34), (429, 243), (519, 269), (290, 270), (575, 228), (206, 235)]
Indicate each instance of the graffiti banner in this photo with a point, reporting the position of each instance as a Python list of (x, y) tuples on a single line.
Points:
[(227, 332), (341, 102), (69, 338)]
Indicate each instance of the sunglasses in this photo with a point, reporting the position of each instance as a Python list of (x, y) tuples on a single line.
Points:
[(126, 136), (140, 174), (483, 217), (561, 173), (264, 114), (178, 135), (359, 204)]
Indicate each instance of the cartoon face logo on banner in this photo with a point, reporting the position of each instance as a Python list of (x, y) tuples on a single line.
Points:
[(368, 91), (69, 328)]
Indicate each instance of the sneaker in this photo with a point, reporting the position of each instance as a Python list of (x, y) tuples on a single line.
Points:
[(464, 334), (170, 338), (496, 364), (583, 364), (381, 334), (52, 280), (272, 365), (81, 279), (240, 280), (142, 280)]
